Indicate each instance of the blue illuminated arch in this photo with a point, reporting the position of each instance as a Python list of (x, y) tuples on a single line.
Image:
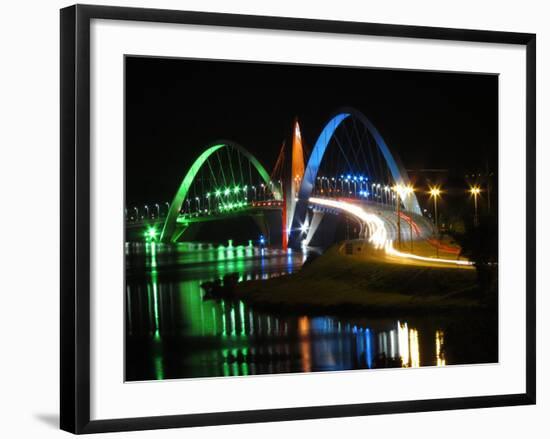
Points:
[(397, 170)]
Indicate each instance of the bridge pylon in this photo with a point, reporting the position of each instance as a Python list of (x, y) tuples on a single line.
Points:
[(291, 174)]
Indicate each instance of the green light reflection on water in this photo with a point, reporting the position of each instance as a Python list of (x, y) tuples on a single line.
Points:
[(159, 367), (207, 318), (233, 325), (224, 323), (241, 313), (158, 356), (203, 317), (154, 282)]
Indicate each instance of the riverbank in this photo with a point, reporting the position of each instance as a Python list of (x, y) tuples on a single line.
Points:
[(368, 282)]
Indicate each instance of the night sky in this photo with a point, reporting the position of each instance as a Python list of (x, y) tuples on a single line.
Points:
[(175, 107)]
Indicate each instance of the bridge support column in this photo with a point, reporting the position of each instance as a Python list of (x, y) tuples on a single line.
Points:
[(314, 225), (363, 231), (177, 233), (284, 228), (262, 223)]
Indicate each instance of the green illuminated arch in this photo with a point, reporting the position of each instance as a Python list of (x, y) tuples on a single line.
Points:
[(169, 229)]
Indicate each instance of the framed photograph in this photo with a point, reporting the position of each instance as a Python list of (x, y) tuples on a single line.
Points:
[(268, 218)]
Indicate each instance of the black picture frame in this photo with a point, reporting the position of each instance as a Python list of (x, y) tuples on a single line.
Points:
[(75, 217)]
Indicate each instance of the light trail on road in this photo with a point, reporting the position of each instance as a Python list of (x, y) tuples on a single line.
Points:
[(378, 235), (393, 252)]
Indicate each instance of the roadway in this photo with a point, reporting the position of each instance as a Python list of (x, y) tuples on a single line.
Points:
[(380, 225)]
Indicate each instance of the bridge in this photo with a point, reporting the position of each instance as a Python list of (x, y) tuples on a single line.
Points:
[(350, 172)]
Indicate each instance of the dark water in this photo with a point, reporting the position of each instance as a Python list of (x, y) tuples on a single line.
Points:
[(172, 332)]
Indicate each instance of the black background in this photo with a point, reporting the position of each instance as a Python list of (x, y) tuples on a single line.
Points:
[(175, 107)]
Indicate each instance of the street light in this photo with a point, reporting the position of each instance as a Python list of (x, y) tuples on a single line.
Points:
[(398, 189), (151, 234), (475, 191), (409, 190), (435, 193), (218, 194)]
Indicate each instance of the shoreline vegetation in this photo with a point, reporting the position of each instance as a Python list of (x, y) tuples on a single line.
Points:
[(366, 282)]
